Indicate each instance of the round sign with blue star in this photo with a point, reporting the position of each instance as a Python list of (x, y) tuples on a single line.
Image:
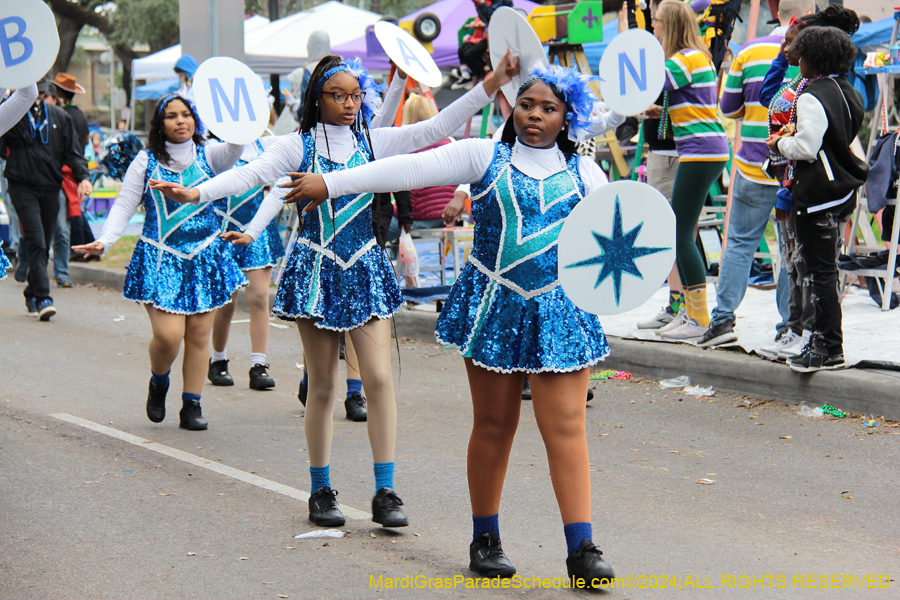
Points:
[(616, 248)]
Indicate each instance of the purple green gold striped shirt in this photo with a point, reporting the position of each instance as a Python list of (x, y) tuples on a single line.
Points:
[(691, 83)]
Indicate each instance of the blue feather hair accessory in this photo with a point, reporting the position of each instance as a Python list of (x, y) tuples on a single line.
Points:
[(354, 67), (575, 88), (164, 101)]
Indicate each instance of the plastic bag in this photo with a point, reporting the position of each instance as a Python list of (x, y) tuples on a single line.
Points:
[(678, 382), (409, 259), (806, 411), (319, 533), (696, 390)]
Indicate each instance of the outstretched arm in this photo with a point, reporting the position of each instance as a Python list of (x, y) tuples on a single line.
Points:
[(392, 98), (268, 210), (16, 106)]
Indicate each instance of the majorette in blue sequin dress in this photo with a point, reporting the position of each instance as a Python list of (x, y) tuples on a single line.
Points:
[(180, 265), (237, 212), (507, 311), (337, 273), (4, 264)]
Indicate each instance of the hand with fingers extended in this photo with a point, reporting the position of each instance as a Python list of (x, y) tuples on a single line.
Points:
[(92, 249), (175, 191), (503, 74), (237, 238), (306, 186)]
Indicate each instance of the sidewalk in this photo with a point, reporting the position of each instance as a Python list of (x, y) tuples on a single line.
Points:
[(859, 391)]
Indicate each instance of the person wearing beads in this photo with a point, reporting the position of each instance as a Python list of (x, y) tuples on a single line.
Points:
[(755, 192), (507, 313), (828, 113), (180, 270), (12, 109), (337, 277), (690, 103), (780, 98)]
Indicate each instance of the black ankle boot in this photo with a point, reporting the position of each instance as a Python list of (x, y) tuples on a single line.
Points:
[(386, 509), (323, 508), (586, 562), (260, 379), (526, 389), (486, 557), (356, 407), (192, 417), (218, 373), (156, 402), (301, 394)]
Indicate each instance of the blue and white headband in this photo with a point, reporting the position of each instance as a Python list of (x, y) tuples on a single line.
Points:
[(164, 101), (354, 67), (579, 97)]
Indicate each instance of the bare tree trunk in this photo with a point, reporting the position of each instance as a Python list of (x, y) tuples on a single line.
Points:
[(126, 55), (68, 35)]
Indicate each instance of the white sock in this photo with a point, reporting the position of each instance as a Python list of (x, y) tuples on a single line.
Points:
[(465, 72), (216, 356), (257, 358)]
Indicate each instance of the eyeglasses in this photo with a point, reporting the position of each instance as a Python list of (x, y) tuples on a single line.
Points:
[(341, 97)]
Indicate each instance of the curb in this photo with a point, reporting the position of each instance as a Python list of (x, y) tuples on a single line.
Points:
[(857, 391)]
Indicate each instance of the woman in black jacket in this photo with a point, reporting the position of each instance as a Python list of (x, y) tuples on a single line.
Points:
[(827, 113)]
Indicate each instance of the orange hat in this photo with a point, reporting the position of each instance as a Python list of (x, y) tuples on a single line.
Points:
[(66, 82)]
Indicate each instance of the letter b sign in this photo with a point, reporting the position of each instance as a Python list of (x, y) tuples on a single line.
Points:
[(29, 42)]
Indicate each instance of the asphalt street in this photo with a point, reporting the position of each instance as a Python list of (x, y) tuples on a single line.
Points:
[(98, 502)]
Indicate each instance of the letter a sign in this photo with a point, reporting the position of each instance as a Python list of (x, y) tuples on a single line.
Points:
[(633, 71), (28, 42), (231, 100)]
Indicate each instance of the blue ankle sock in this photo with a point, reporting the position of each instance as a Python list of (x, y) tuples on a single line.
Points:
[(482, 525), (186, 398), (305, 381), (162, 380), (354, 385), (384, 475), (575, 532), (321, 477)]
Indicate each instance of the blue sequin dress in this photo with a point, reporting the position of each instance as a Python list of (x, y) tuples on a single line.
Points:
[(180, 265), (237, 212), (4, 264), (507, 311), (337, 273)]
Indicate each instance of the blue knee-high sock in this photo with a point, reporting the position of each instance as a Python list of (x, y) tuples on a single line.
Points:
[(162, 380), (482, 525), (321, 477), (354, 386), (575, 532), (305, 381), (384, 475), (186, 398)]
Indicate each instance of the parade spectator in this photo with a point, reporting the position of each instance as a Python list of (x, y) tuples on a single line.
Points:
[(755, 192), (38, 146), (828, 113), (472, 65), (185, 67)]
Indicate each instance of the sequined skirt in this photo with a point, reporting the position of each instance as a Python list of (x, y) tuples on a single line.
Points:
[(4, 264), (314, 287), (264, 251), (501, 330), (183, 286)]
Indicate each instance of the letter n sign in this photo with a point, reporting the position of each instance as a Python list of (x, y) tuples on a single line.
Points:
[(625, 63), (234, 110)]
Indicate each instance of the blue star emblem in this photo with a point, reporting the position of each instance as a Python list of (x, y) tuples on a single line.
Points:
[(618, 254)]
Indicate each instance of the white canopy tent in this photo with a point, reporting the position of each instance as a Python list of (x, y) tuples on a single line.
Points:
[(280, 47)]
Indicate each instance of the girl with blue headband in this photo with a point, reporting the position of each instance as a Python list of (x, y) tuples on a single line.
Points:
[(181, 271), (507, 313), (337, 277)]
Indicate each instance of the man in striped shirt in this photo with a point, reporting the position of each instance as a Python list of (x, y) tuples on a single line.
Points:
[(755, 192)]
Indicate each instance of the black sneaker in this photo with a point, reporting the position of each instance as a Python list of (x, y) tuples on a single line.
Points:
[(259, 378), (356, 407), (45, 309), (811, 361), (590, 395), (31, 307), (301, 393), (386, 509), (486, 557), (718, 335), (586, 562), (526, 389), (323, 508), (156, 402), (218, 373), (192, 417)]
